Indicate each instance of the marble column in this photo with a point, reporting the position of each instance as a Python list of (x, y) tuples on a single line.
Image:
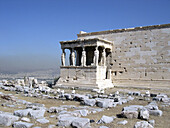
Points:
[(96, 56), (73, 57), (63, 57), (83, 58)]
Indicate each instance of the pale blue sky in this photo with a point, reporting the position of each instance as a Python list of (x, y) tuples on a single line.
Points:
[(30, 30)]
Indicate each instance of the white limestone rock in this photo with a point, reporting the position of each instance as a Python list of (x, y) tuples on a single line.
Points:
[(131, 111), (105, 119), (143, 124), (124, 122), (68, 96), (42, 121), (144, 114), (22, 113), (7, 119), (105, 103), (65, 121), (56, 109), (25, 119), (83, 112), (103, 127), (89, 102), (132, 107), (35, 105), (37, 113), (81, 123), (51, 126), (20, 124), (155, 112), (152, 122), (130, 114), (78, 97)]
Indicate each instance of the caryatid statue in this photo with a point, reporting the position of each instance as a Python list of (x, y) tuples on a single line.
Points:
[(96, 57), (63, 58), (83, 58), (73, 57)]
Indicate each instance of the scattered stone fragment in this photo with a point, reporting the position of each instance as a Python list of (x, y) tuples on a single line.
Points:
[(144, 114), (130, 98), (155, 112), (89, 102), (25, 119), (78, 97), (32, 105), (131, 111), (22, 113), (66, 121), (103, 127), (56, 109), (124, 122), (130, 114), (43, 121), (105, 119), (83, 112), (51, 126), (64, 115), (166, 100), (81, 123), (105, 103), (52, 116), (22, 125), (37, 113), (143, 124), (7, 119), (152, 122), (68, 96), (132, 107)]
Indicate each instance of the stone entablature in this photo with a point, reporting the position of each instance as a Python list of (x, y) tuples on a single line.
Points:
[(142, 28)]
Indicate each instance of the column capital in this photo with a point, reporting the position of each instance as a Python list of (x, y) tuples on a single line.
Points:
[(83, 48), (96, 48), (63, 50)]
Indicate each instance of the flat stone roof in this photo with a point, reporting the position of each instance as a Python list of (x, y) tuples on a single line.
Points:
[(125, 30), (84, 40)]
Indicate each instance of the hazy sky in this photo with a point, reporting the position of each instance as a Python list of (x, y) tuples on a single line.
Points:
[(30, 30)]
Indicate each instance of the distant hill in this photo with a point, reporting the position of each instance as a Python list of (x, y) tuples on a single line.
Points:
[(40, 74)]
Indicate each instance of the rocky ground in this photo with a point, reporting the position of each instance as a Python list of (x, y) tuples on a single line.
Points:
[(56, 108)]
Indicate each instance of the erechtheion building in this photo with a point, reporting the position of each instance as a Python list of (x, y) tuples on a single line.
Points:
[(133, 56)]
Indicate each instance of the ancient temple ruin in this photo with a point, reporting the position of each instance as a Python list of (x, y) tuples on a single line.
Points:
[(133, 56), (88, 63)]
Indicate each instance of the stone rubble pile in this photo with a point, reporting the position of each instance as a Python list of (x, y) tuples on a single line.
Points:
[(141, 112), (89, 104)]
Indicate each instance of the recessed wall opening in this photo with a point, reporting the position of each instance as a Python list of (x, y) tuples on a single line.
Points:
[(89, 55), (78, 56), (67, 55)]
